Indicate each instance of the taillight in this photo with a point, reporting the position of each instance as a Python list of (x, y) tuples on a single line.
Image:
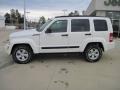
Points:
[(111, 37)]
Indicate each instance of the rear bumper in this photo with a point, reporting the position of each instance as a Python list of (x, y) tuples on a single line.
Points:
[(110, 46)]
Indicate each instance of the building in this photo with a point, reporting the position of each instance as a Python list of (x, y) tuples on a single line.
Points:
[(107, 8), (2, 22)]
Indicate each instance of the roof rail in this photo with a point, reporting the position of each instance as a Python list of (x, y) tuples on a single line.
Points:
[(78, 16)]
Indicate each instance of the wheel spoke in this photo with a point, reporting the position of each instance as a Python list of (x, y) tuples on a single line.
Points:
[(23, 58), (19, 57), (25, 55), (24, 51), (19, 52), (89, 54), (93, 57), (91, 50)]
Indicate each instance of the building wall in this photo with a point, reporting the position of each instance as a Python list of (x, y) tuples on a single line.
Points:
[(90, 8), (2, 22), (100, 13), (106, 8), (99, 5)]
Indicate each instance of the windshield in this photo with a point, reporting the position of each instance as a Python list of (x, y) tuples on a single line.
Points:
[(41, 28)]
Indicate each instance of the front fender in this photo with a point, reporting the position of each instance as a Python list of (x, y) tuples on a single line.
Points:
[(31, 42)]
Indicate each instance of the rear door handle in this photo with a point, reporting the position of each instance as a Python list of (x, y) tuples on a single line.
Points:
[(64, 35), (88, 34)]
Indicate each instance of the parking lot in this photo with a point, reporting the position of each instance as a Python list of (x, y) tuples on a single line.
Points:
[(60, 71)]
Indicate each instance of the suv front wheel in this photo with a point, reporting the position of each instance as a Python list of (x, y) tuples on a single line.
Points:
[(93, 53), (22, 54)]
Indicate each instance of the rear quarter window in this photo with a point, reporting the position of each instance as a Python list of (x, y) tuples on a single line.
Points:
[(100, 25)]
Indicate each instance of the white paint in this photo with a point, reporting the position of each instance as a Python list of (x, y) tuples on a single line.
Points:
[(37, 40)]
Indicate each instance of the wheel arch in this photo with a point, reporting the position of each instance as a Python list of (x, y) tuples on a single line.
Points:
[(100, 44), (21, 44)]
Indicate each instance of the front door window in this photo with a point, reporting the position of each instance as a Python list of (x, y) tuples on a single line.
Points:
[(59, 26)]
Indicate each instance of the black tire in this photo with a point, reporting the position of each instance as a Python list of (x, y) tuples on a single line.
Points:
[(22, 47), (87, 55)]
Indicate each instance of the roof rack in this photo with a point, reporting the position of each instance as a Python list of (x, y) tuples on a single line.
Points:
[(78, 16)]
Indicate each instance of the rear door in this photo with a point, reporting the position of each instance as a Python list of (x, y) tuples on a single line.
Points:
[(80, 30)]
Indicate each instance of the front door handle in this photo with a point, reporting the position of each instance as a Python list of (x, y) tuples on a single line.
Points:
[(64, 35), (88, 34)]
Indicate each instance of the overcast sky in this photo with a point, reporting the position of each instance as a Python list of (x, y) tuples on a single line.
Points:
[(47, 8)]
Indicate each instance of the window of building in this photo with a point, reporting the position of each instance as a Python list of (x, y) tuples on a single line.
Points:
[(100, 25), (80, 25), (113, 15)]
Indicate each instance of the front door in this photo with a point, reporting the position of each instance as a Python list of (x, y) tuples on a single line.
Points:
[(55, 38)]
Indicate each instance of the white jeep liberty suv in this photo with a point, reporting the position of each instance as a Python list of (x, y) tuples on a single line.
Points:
[(90, 35)]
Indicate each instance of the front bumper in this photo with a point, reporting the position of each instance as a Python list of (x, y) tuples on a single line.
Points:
[(7, 49)]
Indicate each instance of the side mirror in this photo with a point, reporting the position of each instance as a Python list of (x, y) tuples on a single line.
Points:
[(48, 30)]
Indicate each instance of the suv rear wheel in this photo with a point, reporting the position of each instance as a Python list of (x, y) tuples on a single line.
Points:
[(93, 53), (22, 54)]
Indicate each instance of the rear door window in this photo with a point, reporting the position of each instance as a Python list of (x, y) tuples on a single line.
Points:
[(80, 25)]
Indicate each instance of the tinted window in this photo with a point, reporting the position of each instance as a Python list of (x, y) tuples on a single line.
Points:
[(59, 26), (100, 25), (80, 25), (43, 26)]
